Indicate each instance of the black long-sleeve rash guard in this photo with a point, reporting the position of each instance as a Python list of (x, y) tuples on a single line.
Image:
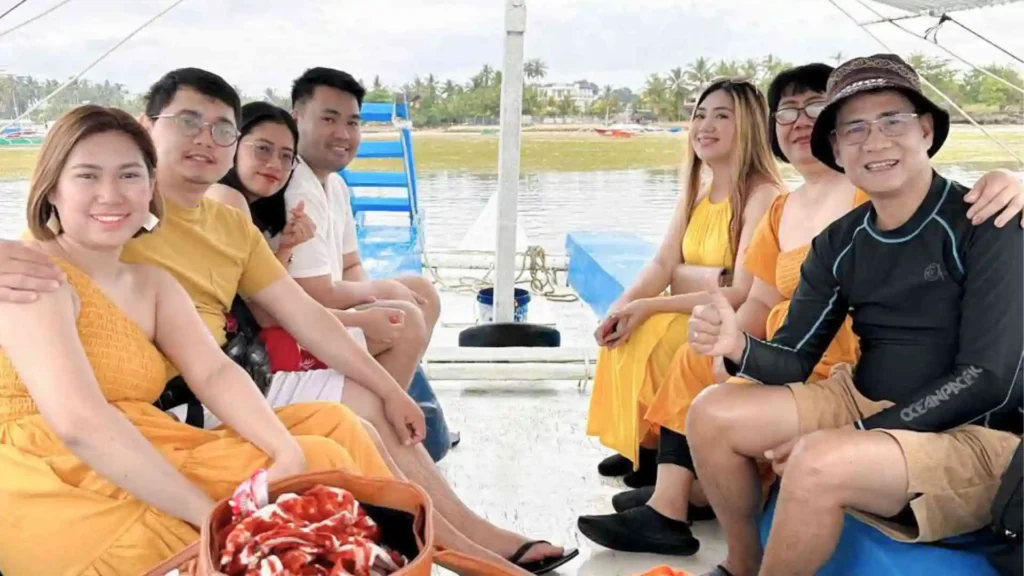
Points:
[(936, 303)]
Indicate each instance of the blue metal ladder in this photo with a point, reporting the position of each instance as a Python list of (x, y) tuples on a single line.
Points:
[(398, 116)]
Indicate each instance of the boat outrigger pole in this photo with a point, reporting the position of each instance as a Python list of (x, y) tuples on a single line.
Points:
[(508, 159)]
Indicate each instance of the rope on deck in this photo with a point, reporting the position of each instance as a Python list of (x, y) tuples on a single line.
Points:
[(543, 280)]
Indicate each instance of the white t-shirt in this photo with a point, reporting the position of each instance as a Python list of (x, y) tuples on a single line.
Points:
[(335, 227)]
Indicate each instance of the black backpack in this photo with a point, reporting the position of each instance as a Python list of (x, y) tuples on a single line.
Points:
[(244, 346), (1008, 519)]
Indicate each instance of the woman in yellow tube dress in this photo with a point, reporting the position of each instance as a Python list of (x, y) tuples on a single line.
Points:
[(94, 479), (711, 225)]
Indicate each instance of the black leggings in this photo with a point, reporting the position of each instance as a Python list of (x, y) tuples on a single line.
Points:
[(673, 448)]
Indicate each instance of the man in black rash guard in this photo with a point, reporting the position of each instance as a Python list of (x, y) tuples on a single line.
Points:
[(916, 440)]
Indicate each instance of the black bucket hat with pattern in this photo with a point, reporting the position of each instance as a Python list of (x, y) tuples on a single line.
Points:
[(870, 74)]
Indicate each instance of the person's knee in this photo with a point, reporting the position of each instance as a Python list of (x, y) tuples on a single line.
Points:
[(708, 417), (423, 287), (414, 330), (815, 467)]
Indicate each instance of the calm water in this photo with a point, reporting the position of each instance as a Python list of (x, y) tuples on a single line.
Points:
[(551, 204)]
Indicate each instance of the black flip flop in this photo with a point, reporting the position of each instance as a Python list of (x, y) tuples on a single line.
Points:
[(719, 571), (545, 565)]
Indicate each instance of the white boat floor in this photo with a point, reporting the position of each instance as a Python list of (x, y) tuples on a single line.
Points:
[(526, 464)]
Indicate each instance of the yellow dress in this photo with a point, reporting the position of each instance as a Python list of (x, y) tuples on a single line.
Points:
[(691, 373), (628, 377), (59, 517)]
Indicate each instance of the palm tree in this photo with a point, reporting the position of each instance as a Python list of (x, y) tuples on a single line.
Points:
[(655, 93), (679, 90), (450, 90), (486, 75), (773, 66), (535, 69), (728, 68), (751, 68), (699, 73)]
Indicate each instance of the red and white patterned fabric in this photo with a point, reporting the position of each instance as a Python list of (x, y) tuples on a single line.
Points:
[(323, 532)]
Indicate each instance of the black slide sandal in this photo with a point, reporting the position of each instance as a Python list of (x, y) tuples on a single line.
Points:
[(545, 565)]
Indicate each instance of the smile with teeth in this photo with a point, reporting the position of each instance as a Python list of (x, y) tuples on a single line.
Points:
[(200, 157), (881, 165), (109, 218)]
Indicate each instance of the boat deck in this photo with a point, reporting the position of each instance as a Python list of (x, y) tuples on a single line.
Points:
[(525, 462)]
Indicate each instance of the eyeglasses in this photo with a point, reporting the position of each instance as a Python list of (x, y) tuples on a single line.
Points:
[(892, 126), (790, 114), (264, 153), (223, 132)]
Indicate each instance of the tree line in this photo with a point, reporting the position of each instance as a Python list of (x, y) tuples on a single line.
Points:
[(665, 96)]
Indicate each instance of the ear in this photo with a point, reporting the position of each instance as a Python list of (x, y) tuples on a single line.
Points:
[(928, 129), (835, 151), (146, 122)]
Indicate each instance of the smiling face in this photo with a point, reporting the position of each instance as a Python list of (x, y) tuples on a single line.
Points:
[(264, 159), (197, 160), (713, 129), (880, 142), (794, 136), (329, 129), (103, 193)]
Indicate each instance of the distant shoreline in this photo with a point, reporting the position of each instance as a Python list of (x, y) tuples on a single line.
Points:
[(577, 148)]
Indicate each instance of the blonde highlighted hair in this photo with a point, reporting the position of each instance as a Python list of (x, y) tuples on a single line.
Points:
[(69, 130), (752, 160)]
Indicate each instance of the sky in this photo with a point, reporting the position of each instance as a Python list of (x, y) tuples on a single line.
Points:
[(257, 44)]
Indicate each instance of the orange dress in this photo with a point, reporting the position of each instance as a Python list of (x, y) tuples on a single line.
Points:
[(58, 516), (691, 373)]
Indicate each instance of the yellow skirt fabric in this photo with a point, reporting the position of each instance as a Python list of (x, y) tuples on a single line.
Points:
[(59, 517), (627, 379)]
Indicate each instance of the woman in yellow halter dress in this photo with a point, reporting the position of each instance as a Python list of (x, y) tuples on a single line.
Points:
[(711, 225), (94, 479)]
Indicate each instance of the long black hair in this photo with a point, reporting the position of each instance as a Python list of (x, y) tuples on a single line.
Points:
[(268, 214), (795, 81)]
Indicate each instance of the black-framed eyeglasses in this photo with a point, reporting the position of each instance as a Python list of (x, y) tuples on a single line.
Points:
[(223, 132), (790, 114), (892, 126), (264, 152)]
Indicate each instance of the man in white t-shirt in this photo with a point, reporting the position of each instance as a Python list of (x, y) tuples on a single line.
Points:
[(326, 107)]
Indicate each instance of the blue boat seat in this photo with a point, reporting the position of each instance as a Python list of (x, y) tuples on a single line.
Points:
[(863, 550), (603, 264)]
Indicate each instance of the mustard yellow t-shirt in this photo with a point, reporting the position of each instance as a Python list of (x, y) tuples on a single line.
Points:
[(214, 251)]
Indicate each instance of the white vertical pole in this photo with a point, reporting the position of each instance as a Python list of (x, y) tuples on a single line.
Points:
[(508, 159)]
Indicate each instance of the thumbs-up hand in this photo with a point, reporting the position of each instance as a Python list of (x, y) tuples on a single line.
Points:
[(713, 329)]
